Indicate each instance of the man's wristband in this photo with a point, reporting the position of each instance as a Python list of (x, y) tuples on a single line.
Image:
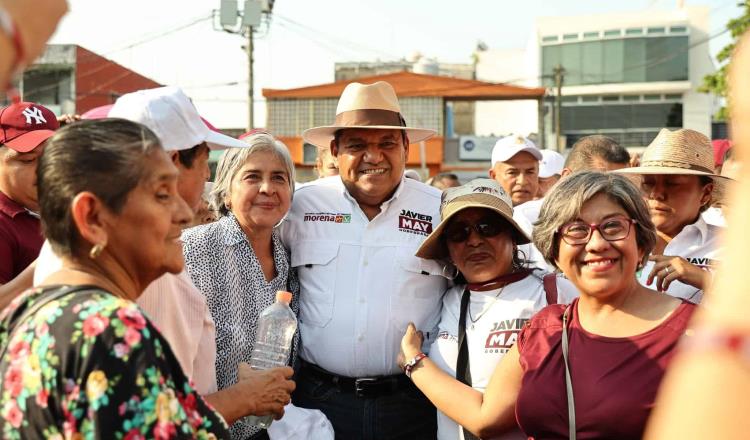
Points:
[(409, 366)]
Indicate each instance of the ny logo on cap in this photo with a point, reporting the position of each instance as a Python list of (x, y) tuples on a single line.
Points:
[(36, 113)]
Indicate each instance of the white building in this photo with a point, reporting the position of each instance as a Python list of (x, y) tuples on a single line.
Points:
[(627, 75)]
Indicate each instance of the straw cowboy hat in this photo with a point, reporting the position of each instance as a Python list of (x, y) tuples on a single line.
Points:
[(373, 106), (682, 151), (479, 193)]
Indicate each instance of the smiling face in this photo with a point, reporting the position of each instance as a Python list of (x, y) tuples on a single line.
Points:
[(519, 177), (260, 194), (18, 176), (674, 201), (480, 259), (371, 162), (600, 267)]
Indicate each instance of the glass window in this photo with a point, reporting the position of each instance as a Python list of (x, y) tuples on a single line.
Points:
[(309, 153), (549, 39), (593, 98), (678, 29), (631, 98), (590, 35), (550, 59), (652, 97), (572, 62), (569, 99), (611, 98), (570, 37), (667, 59), (613, 33), (673, 97), (634, 31), (592, 62), (614, 58), (634, 69), (638, 59), (656, 30)]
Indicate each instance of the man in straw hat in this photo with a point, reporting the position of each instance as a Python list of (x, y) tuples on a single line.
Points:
[(678, 183), (352, 239)]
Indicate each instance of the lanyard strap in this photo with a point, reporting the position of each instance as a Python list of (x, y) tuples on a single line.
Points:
[(568, 381), (463, 372)]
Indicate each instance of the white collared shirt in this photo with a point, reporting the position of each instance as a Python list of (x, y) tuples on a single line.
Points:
[(493, 323), (360, 283), (699, 244)]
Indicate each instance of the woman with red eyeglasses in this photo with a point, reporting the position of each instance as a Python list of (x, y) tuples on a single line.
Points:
[(495, 293), (590, 369)]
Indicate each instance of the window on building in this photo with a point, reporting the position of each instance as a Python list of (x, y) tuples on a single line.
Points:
[(623, 60), (309, 153)]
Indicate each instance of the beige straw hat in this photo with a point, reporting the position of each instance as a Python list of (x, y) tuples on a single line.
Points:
[(479, 193), (373, 106), (682, 151)]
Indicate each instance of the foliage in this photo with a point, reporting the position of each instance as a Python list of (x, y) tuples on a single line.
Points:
[(716, 83)]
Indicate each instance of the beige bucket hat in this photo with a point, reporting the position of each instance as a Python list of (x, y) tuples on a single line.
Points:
[(682, 151), (373, 106), (479, 193)]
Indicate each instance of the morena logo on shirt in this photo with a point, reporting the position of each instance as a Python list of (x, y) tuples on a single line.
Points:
[(414, 222), (329, 217)]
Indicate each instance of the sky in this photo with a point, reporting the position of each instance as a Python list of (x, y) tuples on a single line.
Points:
[(175, 42)]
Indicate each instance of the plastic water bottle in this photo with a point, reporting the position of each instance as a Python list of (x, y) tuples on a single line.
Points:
[(276, 327)]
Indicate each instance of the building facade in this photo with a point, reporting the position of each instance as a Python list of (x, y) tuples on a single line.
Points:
[(625, 75), (69, 79)]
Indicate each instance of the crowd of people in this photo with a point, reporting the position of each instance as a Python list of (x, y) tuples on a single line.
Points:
[(545, 299)]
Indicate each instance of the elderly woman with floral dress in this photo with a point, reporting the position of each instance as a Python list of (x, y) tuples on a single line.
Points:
[(79, 358)]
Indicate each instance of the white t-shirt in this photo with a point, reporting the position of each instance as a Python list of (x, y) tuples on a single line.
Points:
[(699, 244), (492, 328)]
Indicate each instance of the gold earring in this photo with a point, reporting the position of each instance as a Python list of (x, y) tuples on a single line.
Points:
[(96, 250)]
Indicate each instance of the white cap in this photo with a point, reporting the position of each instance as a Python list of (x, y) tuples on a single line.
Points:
[(169, 113), (509, 146), (552, 163)]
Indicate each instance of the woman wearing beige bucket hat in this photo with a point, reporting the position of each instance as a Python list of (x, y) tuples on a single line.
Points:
[(494, 296), (678, 183)]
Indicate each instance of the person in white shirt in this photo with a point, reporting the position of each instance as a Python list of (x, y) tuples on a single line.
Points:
[(590, 153), (495, 292), (678, 182), (515, 166), (173, 302), (352, 240)]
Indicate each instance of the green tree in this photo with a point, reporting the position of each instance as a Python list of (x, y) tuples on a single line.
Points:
[(716, 83)]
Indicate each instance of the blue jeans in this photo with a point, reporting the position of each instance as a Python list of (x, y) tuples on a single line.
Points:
[(404, 414)]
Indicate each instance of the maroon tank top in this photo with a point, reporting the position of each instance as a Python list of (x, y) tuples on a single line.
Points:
[(614, 379)]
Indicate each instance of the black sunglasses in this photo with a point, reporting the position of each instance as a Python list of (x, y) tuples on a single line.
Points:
[(458, 232)]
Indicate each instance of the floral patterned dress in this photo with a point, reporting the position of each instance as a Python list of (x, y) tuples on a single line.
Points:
[(89, 365)]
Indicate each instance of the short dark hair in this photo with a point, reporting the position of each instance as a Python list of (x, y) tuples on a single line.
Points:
[(104, 157), (187, 157), (588, 148)]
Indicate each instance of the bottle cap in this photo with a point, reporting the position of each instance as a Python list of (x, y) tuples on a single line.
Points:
[(284, 296)]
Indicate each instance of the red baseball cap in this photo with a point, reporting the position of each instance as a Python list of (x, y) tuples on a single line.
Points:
[(25, 125)]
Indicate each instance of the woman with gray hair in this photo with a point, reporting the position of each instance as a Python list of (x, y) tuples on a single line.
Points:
[(238, 261), (591, 368)]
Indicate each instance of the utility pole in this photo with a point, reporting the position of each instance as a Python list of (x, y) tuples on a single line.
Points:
[(559, 74), (234, 21), (250, 91)]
